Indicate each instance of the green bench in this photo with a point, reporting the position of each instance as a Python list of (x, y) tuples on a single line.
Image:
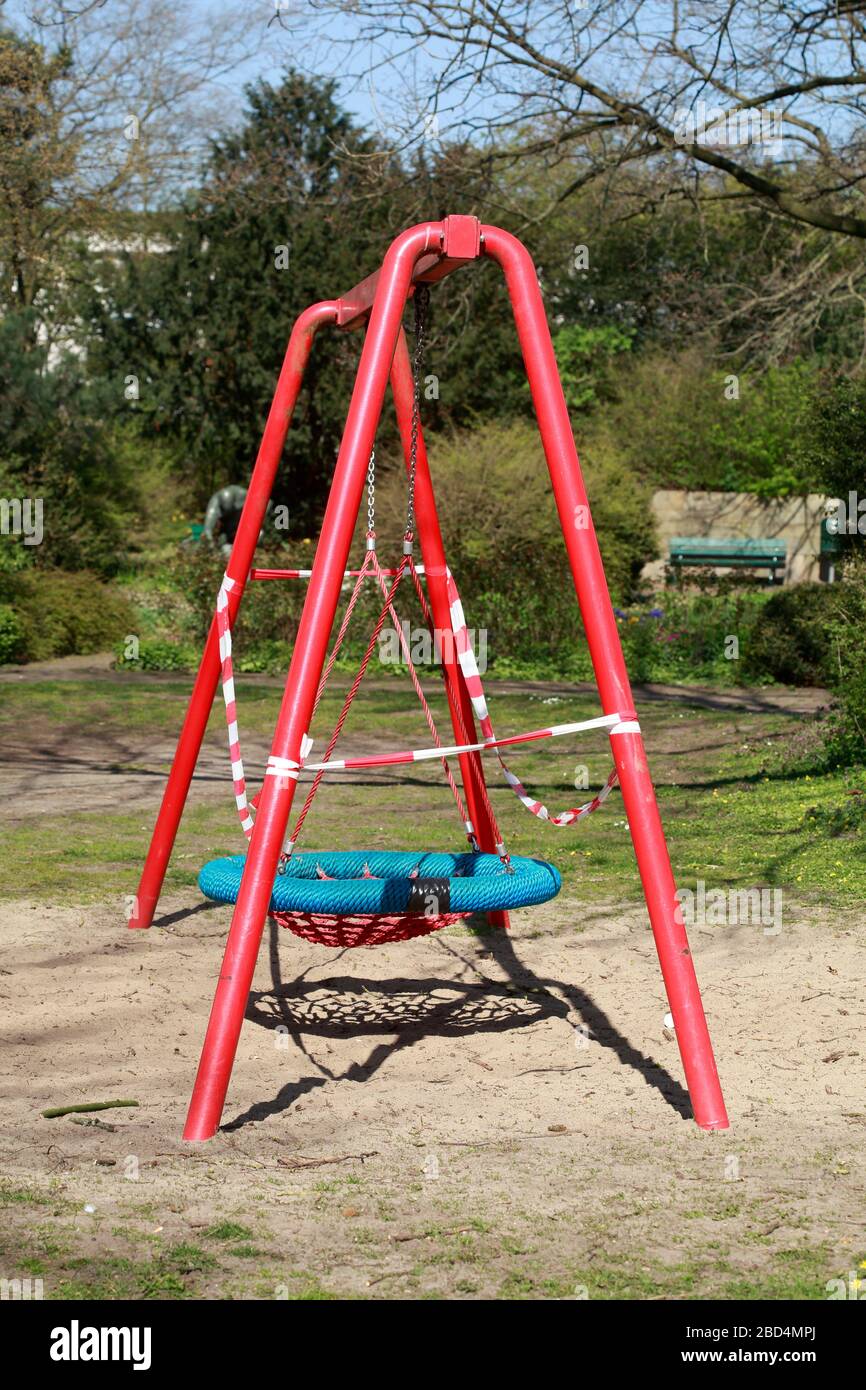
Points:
[(738, 554)]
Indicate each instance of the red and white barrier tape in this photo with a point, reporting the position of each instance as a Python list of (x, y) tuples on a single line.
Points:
[(308, 574), (284, 767), (421, 755), (228, 686), (472, 676)]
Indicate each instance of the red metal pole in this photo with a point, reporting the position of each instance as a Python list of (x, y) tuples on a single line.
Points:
[(243, 549), (611, 676), (433, 553), (308, 657)]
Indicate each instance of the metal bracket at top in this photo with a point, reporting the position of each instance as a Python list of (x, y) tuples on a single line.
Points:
[(461, 242)]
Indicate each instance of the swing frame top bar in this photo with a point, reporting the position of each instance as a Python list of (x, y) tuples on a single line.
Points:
[(461, 241)]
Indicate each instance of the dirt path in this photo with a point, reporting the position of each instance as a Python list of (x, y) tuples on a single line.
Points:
[(757, 700), (58, 769), (61, 771)]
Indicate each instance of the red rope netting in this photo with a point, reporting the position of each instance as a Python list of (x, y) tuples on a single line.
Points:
[(363, 930)]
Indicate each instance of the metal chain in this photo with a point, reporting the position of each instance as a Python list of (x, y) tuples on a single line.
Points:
[(371, 494), (422, 301)]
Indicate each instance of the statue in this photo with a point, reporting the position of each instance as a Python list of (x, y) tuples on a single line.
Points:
[(223, 515)]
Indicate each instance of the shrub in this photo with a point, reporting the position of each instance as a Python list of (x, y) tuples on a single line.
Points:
[(846, 742), (498, 514), (270, 657), (156, 654), (270, 611), (686, 634), (504, 540), (790, 641), (63, 614), (672, 423), (11, 635), (622, 512)]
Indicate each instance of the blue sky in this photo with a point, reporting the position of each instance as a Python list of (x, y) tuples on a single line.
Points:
[(369, 92), (366, 100)]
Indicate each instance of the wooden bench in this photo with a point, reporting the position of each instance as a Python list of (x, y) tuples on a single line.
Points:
[(730, 553)]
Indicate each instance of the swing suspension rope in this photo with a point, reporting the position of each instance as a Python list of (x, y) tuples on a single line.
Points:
[(371, 565), (615, 723)]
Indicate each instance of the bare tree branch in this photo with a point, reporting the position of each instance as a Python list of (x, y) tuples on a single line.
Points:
[(646, 68), (106, 113)]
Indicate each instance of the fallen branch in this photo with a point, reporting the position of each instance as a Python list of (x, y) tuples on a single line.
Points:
[(88, 1105), (433, 1232), (302, 1162), (392, 1274)]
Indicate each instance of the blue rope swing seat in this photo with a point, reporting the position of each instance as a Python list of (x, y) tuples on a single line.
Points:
[(365, 898)]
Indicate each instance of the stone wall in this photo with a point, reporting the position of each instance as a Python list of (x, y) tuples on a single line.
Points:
[(734, 515)]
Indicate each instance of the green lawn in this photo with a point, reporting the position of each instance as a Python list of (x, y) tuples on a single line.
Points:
[(737, 816)]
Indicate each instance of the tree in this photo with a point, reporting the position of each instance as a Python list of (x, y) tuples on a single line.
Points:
[(767, 93), (274, 227), (35, 159), (57, 449), (836, 442), (286, 216), (754, 106), (102, 109)]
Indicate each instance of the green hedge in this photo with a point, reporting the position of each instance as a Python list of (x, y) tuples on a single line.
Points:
[(790, 641), (53, 613)]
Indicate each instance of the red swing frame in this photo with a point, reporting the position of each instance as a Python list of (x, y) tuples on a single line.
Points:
[(424, 253)]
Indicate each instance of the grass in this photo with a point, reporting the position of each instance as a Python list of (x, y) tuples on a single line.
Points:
[(138, 1265), (479, 1258), (515, 1256), (735, 816), (228, 1230)]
